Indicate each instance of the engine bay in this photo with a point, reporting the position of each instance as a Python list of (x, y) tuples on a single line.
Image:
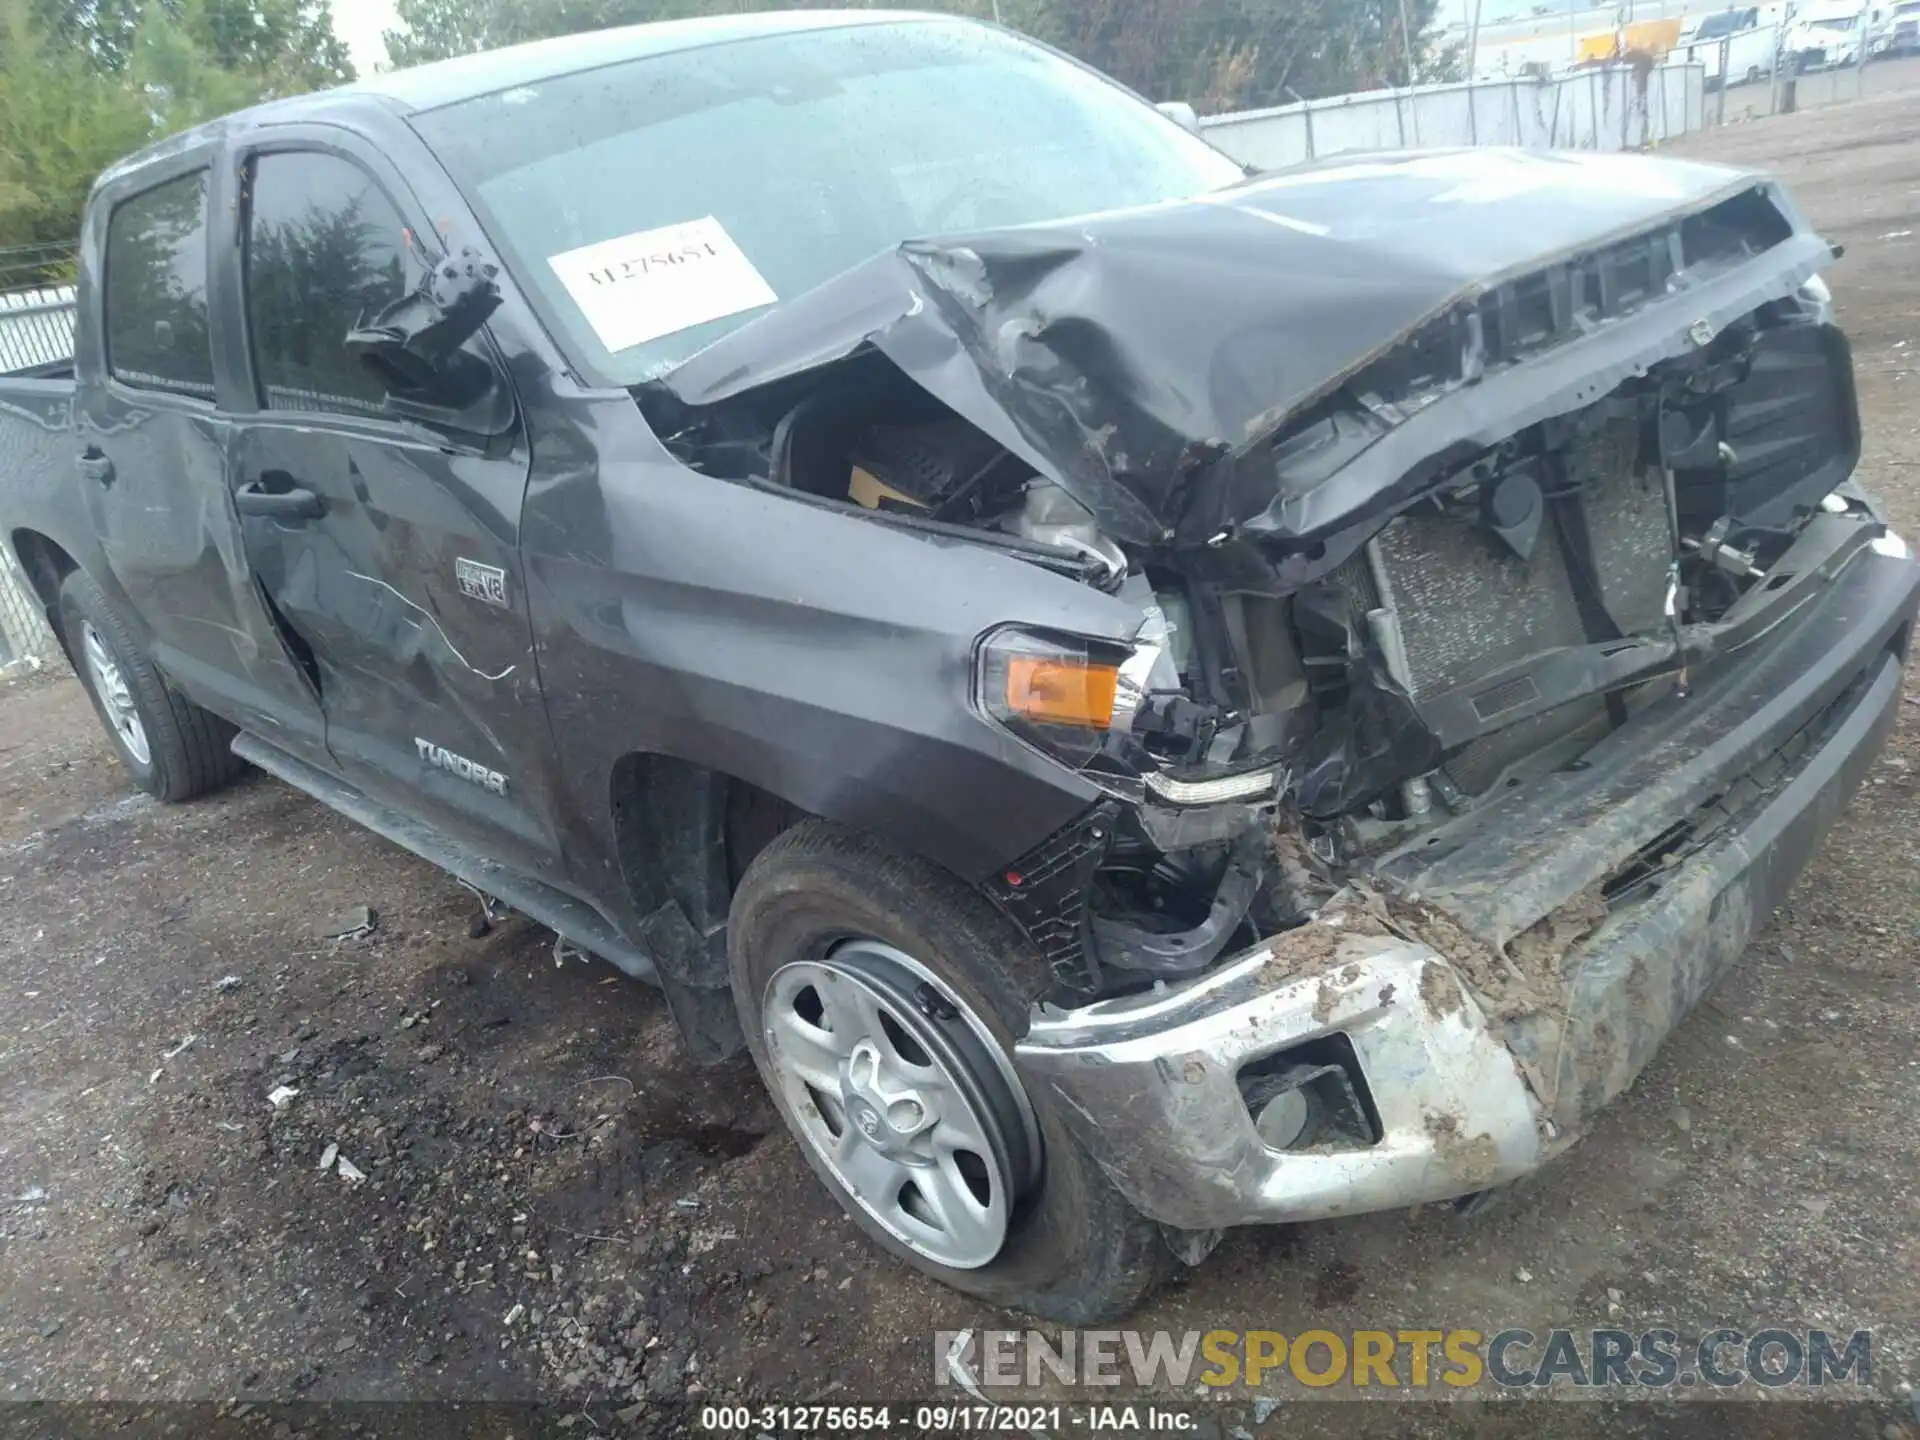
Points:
[(1524, 601)]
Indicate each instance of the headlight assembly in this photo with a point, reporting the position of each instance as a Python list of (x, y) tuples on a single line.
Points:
[(1116, 713), (1062, 694)]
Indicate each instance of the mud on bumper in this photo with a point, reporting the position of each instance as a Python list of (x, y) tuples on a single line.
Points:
[(1694, 819)]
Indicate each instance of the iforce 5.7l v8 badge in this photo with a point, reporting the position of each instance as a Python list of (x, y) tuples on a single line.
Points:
[(485, 583)]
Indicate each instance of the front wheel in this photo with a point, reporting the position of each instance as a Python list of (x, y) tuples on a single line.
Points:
[(173, 749), (881, 999)]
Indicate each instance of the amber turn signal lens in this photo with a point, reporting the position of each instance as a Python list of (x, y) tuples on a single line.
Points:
[(1061, 692)]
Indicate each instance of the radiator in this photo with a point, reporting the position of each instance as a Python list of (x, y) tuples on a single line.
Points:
[(1468, 606)]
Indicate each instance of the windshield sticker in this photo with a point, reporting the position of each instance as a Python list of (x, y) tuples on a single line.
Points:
[(638, 287)]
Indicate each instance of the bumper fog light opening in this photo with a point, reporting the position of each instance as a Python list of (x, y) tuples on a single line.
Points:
[(1283, 1119), (1309, 1096)]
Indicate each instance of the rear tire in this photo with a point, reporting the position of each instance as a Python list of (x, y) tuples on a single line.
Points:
[(1073, 1250), (173, 749)]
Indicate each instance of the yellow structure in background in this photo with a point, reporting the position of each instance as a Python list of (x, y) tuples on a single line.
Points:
[(1646, 37)]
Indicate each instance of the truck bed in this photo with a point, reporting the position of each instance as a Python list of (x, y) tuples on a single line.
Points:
[(36, 448)]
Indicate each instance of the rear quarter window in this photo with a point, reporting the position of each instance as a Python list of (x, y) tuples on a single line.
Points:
[(156, 290)]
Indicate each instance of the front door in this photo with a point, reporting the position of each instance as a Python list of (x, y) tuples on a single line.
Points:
[(151, 453), (389, 547)]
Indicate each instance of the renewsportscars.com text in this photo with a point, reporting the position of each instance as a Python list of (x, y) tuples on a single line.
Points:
[(1404, 1359)]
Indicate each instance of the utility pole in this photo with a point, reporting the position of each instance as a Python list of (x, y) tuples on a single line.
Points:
[(1413, 75), (1860, 56), (1473, 47)]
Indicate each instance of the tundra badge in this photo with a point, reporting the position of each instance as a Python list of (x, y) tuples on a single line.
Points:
[(485, 583), (443, 759)]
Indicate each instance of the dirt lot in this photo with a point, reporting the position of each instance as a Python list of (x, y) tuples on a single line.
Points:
[(557, 1206)]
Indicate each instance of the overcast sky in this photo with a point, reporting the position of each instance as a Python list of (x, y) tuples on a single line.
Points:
[(360, 23)]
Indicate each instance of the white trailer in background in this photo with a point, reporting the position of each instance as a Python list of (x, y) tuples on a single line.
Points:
[(1829, 33), (1734, 47), (1903, 31)]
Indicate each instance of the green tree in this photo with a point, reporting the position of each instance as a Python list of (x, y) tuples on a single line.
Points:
[(85, 82), (437, 29), (1219, 54), (290, 42), (60, 125), (1234, 54)]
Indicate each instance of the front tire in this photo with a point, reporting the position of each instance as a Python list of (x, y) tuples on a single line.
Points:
[(881, 999), (173, 749)]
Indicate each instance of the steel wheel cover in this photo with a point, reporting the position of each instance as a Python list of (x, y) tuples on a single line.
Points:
[(904, 1095)]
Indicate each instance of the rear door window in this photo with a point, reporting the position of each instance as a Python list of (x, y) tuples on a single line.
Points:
[(327, 251), (156, 289)]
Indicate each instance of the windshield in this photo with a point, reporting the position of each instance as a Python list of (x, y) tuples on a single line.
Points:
[(1836, 22), (653, 205)]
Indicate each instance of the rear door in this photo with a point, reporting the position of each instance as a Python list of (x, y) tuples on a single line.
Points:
[(389, 545), (151, 455)]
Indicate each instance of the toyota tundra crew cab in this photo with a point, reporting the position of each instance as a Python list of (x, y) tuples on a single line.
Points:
[(1150, 698)]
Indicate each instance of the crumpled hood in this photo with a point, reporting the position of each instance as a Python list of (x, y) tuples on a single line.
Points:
[(1121, 353)]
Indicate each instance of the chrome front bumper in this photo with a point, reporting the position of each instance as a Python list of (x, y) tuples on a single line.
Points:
[(1150, 1082), (1153, 1078)]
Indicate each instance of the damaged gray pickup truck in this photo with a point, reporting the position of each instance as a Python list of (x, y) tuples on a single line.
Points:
[(1150, 699)]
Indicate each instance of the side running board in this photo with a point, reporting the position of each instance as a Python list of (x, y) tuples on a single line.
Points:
[(555, 909)]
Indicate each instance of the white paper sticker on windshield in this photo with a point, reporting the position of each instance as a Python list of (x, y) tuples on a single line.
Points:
[(638, 287)]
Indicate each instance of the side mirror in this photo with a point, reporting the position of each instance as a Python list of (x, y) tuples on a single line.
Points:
[(1182, 114), (415, 347)]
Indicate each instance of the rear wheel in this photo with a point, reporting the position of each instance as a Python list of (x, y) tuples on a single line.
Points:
[(882, 999), (173, 749)]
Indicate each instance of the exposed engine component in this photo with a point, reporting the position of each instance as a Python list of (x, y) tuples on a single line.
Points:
[(1424, 664), (1053, 517), (1508, 608), (945, 467)]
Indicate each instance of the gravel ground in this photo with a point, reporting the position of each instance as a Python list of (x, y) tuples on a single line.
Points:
[(558, 1207)]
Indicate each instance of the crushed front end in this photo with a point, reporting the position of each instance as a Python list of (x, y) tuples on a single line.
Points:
[(1511, 629), (1473, 985), (1550, 739)]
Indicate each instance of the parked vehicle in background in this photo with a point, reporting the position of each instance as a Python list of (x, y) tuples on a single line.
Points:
[(1903, 29), (1733, 47), (1828, 35), (1148, 699)]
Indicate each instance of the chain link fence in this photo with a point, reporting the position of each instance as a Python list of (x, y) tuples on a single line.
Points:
[(1757, 60), (36, 328), (25, 641), (1779, 69), (1776, 79), (36, 333), (1615, 107)]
